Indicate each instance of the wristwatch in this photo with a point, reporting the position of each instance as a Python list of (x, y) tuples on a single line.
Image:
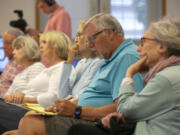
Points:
[(77, 112)]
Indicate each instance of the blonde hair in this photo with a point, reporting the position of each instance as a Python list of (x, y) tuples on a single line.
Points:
[(82, 23), (57, 40)]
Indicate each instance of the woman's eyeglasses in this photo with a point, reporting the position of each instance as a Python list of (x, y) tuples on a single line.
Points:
[(143, 39)]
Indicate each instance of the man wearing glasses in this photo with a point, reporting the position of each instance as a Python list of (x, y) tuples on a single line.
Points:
[(106, 37)]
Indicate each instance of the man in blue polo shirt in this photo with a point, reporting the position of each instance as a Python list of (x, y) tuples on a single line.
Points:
[(105, 85), (106, 37)]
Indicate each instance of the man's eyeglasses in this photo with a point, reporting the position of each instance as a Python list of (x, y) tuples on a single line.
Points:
[(92, 38), (143, 39)]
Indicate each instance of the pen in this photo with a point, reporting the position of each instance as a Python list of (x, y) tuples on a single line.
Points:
[(69, 98)]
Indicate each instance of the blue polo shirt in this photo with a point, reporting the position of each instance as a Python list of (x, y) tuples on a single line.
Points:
[(104, 87)]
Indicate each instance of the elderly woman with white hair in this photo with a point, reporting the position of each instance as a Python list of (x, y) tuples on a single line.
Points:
[(43, 88), (26, 53), (156, 109)]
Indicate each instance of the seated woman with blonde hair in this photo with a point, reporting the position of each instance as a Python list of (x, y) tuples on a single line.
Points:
[(80, 77), (43, 88)]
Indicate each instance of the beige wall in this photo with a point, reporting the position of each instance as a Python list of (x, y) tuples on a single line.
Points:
[(78, 9), (173, 8), (6, 12)]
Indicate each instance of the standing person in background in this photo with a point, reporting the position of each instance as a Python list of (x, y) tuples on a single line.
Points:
[(59, 19), (12, 68)]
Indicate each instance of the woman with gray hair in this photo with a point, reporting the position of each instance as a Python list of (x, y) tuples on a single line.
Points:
[(26, 53), (43, 88), (156, 109)]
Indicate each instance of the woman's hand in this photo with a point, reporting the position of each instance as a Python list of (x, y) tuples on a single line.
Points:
[(106, 120), (14, 98), (73, 53), (18, 98), (139, 66), (8, 98)]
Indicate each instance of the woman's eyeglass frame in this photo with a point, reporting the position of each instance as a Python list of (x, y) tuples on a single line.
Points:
[(143, 39)]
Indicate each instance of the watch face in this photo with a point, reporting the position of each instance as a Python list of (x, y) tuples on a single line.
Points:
[(78, 111)]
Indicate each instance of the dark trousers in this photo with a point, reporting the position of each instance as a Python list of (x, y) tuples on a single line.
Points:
[(117, 128), (10, 116), (59, 125), (82, 129)]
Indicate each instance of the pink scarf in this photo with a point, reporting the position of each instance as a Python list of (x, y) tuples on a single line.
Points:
[(160, 66)]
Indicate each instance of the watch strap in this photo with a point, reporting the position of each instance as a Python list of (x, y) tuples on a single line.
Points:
[(77, 112)]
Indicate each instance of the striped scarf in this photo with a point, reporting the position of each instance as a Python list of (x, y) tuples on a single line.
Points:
[(160, 66)]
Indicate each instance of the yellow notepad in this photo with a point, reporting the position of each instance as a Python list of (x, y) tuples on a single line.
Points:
[(38, 108)]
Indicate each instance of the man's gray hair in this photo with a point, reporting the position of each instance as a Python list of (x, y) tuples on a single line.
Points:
[(105, 21), (167, 32), (31, 48), (15, 32)]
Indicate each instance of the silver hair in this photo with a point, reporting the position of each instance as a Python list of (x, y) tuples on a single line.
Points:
[(167, 32), (105, 21), (57, 40), (15, 32), (31, 48)]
